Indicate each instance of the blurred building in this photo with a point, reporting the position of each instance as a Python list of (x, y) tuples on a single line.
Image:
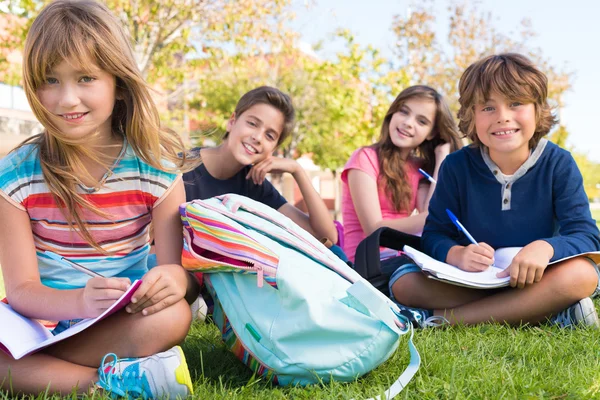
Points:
[(17, 122)]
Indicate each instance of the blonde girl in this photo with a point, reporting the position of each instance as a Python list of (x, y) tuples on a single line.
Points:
[(87, 189)]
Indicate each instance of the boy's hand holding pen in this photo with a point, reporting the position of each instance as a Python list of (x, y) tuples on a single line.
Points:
[(475, 257), (99, 292)]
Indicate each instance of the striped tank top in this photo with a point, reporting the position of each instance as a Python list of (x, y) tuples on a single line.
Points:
[(128, 196)]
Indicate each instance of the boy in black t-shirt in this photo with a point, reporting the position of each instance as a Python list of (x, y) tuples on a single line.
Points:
[(263, 119)]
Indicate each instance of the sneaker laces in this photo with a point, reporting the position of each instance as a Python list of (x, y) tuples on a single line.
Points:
[(130, 383), (563, 319), (422, 319), (434, 321)]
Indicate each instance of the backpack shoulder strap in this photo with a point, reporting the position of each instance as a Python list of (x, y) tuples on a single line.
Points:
[(367, 262)]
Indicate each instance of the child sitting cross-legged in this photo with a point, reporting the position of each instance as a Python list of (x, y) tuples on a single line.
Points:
[(87, 189), (510, 188)]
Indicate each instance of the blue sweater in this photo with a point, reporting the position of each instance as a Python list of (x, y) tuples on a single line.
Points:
[(544, 199)]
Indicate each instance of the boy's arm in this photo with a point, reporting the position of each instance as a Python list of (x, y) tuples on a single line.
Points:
[(318, 222), (578, 232), (439, 232)]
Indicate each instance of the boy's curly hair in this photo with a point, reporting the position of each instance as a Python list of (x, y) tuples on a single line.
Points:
[(511, 75)]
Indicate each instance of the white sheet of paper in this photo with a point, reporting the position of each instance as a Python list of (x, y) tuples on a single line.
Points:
[(21, 336)]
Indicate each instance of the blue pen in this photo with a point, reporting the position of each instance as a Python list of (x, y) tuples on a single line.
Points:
[(426, 175), (461, 227), (73, 264)]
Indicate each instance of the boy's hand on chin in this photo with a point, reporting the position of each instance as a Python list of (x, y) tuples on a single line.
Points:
[(259, 171), (529, 264)]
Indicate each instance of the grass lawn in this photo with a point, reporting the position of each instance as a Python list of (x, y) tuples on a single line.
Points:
[(481, 362)]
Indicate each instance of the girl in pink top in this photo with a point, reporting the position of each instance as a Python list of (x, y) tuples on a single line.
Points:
[(382, 185)]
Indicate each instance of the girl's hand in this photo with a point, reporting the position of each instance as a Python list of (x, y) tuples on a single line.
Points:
[(529, 264), (471, 258), (441, 151), (271, 164), (100, 293), (161, 287)]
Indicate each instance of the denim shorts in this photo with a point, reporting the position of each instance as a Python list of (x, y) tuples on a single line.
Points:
[(397, 267), (64, 325)]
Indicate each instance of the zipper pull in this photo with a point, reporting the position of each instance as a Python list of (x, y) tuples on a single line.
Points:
[(259, 275)]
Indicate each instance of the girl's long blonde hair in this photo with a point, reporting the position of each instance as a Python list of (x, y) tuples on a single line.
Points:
[(391, 164), (83, 33)]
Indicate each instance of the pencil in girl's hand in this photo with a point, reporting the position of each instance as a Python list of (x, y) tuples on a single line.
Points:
[(73, 264)]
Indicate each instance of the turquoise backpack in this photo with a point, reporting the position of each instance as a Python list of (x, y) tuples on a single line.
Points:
[(286, 306)]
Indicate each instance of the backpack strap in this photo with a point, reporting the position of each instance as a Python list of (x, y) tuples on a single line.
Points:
[(366, 261), (407, 375), (368, 296)]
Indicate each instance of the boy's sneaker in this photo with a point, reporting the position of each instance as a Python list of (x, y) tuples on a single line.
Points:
[(421, 318), (161, 375), (581, 313)]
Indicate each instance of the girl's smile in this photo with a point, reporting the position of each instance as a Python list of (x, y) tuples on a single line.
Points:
[(74, 118), (412, 124)]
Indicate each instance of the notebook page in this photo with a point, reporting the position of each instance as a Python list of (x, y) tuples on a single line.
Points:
[(429, 264), (32, 346), (18, 333)]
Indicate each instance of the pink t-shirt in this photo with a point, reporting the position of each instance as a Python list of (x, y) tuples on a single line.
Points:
[(366, 160)]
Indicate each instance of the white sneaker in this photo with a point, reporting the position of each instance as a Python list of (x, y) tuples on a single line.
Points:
[(582, 313), (161, 375), (199, 309)]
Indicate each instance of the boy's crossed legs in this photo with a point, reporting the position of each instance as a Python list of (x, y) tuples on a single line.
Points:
[(561, 285), (75, 361)]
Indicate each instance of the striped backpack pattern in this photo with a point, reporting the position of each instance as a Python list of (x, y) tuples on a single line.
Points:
[(286, 306)]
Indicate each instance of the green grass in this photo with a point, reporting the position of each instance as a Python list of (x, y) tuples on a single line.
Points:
[(482, 362)]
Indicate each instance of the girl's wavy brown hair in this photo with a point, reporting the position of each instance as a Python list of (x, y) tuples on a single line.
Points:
[(83, 33), (511, 75), (391, 164)]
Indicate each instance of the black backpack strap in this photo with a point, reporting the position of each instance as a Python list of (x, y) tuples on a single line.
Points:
[(366, 261)]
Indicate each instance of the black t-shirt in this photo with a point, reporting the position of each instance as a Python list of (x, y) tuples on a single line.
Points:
[(199, 184)]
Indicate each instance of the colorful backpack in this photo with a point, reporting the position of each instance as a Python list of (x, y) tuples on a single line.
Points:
[(286, 306)]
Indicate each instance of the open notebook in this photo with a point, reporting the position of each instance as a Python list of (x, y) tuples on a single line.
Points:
[(480, 280), (20, 336)]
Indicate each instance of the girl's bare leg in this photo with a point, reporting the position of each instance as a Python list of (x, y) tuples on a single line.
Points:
[(75, 361)]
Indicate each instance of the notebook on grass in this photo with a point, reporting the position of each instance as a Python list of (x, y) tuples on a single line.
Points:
[(20, 336), (480, 280)]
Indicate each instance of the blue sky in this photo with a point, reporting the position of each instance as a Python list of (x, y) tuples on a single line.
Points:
[(567, 33)]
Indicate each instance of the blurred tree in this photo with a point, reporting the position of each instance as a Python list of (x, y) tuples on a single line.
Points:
[(559, 136), (166, 33), (471, 35), (589, 169), (339, 103)]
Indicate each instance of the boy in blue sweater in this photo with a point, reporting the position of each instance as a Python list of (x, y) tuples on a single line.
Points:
[(510, 188)]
